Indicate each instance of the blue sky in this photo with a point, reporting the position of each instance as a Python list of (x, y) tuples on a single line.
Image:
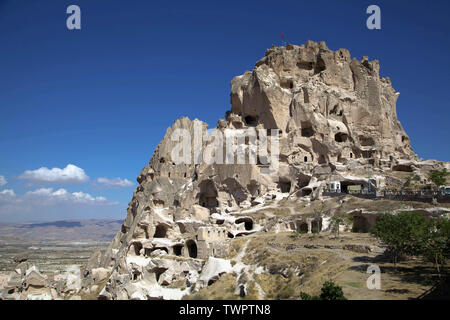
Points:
[(101, 98)]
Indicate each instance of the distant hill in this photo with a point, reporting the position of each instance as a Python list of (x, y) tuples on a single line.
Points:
[(64, 230)]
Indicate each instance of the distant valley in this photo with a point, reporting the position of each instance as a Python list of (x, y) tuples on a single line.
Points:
[(65, 230), (54, 245)]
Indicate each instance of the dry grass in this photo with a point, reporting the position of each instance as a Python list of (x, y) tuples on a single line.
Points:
[(222, 289), (300, 269)]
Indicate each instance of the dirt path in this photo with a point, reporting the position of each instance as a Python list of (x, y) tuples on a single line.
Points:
[(249, 270)]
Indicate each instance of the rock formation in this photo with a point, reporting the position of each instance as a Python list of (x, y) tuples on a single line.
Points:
[(334, 116)]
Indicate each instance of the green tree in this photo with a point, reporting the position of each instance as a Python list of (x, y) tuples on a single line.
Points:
[(337, 220), (404, 233), (330, 291), (439, 177), (305, 296), (437, 245)]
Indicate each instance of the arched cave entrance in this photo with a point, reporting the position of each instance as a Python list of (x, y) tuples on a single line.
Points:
[(135, 248), (284, 186), (177, 249), (340, 137), (248, 223), (302, 227), (316, 226), (192, 248), (307, 129), (160, 231), (360, 224), (208, 194)]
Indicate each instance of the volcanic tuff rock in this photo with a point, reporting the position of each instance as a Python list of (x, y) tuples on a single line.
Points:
[(334, 114)]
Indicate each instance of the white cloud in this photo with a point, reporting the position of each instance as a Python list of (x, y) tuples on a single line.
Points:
[(49, 204), (2, 181), (7, 195), (114, 182), (46, 196), (71, 174), (41, 192)]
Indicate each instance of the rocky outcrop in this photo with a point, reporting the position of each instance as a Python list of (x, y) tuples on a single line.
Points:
[(333, 116), (330, 107)]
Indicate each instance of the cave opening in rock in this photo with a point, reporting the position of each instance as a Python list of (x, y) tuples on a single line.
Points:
[(340, 137), (158, 203), (303, 181), (360, 224), (251, 121), (320, 65), (242, 291), (403, 167), (334, 110), (136, 248), (211, 281), (316, 226), (322, 159), (302, 227), (158, 272), (287, 84), (305, 159), (192, 248), (284, 186), (208, 194), (368, 154), (351, 155), (248, 223), (136, 275), (160, 231), (307, 132), (305, 65), (307, 129), (177, 249)]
